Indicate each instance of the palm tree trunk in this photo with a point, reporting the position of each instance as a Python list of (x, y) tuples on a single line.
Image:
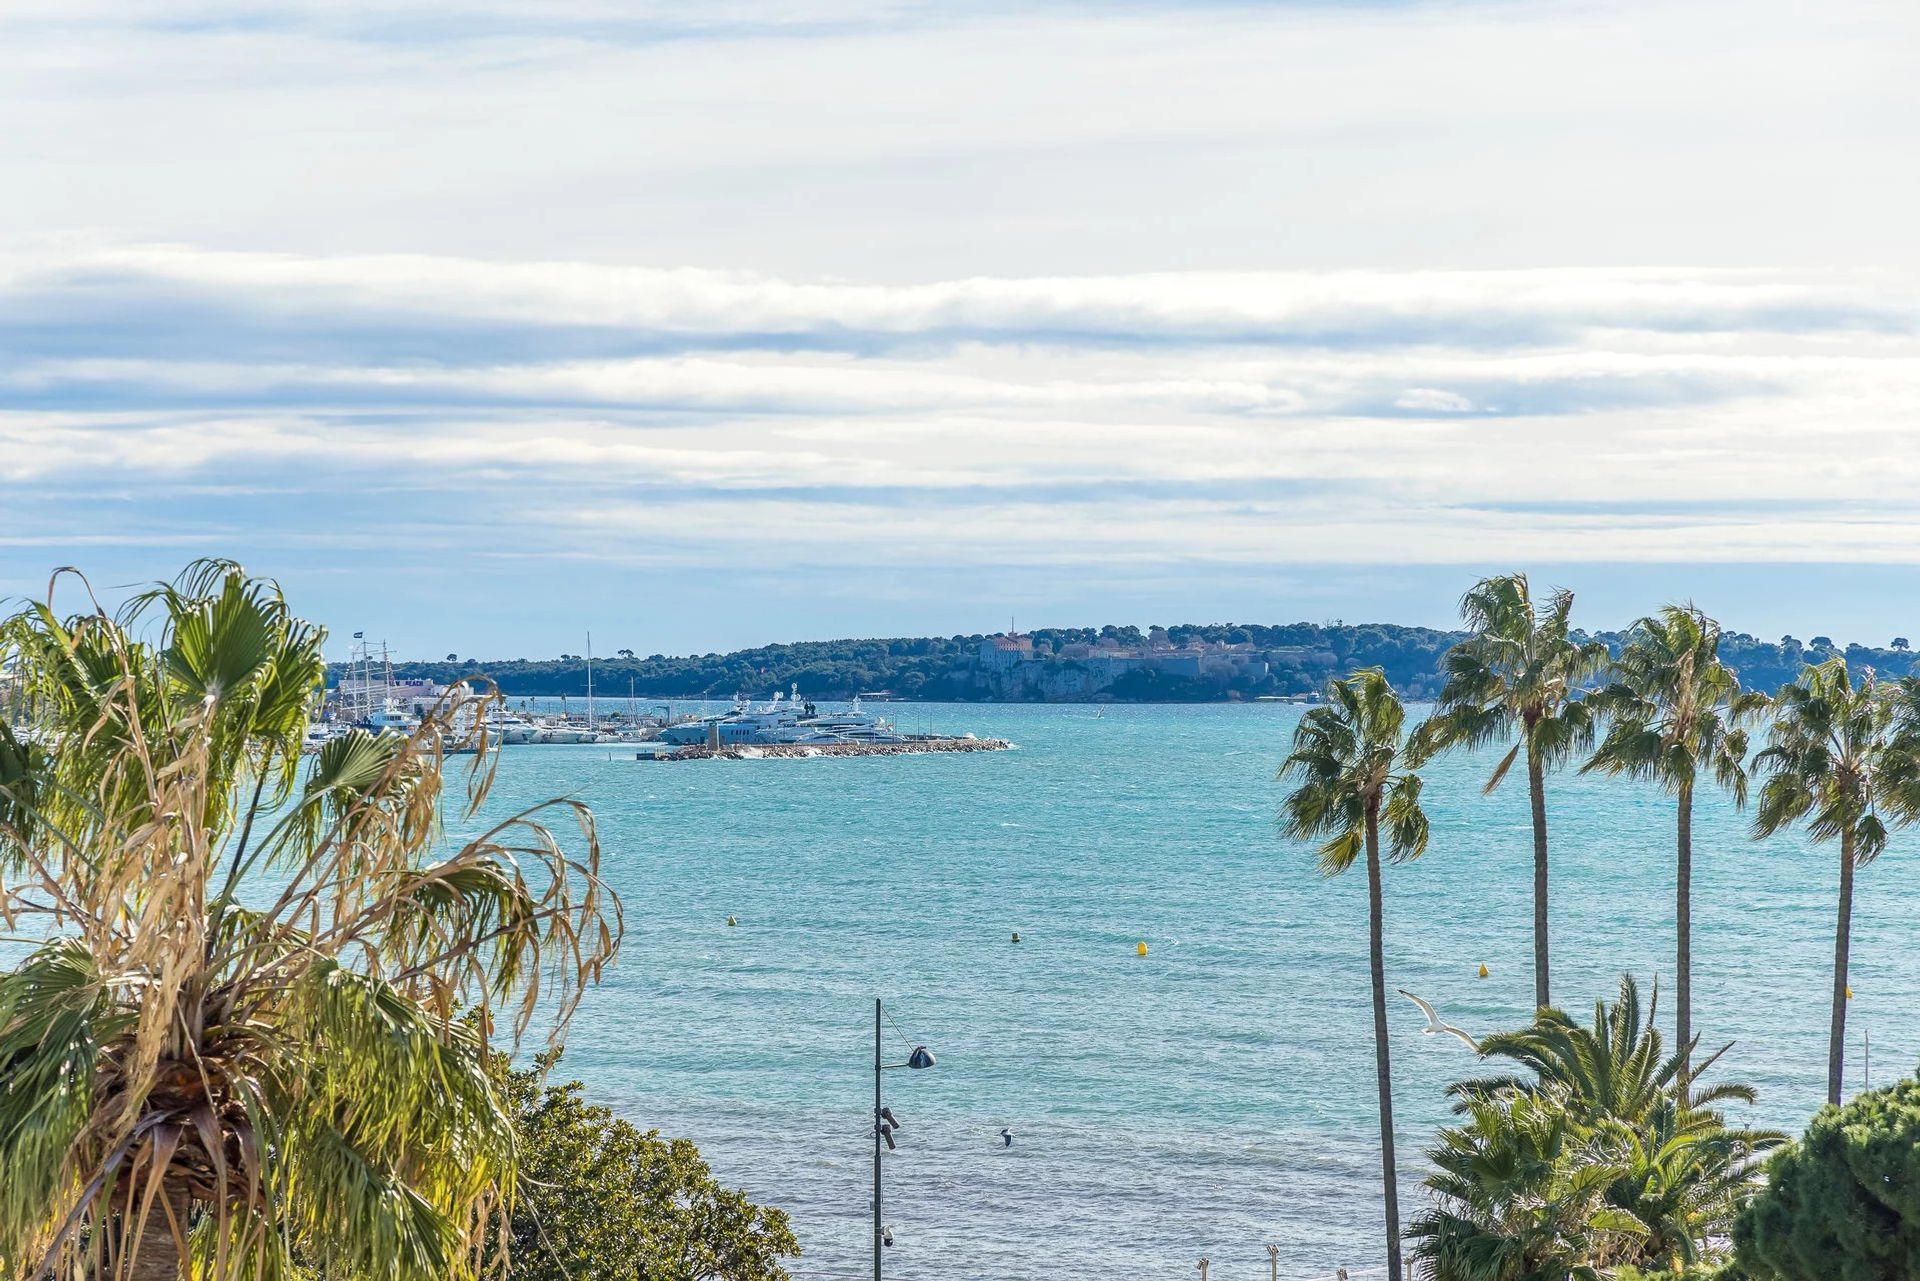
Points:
[(1383, 1070), (156, 1253), (1537, 792), (1842, 944), (1683, 927)]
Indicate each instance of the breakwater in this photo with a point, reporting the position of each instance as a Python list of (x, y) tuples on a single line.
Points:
[(800, 751)]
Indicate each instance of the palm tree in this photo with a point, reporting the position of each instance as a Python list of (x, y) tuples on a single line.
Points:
[(253, 1022), (1349, 758), (1520, 672), (1675, 1172), (1615, 1068), (1673, 714), (1519, 1194), (1832, 751)]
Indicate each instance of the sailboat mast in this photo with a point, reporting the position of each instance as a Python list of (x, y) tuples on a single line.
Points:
[(589, 680)]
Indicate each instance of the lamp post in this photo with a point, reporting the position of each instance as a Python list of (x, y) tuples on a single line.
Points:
[(884, 1125)]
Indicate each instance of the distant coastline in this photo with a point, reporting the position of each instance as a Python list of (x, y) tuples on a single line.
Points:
[(1185, 663)]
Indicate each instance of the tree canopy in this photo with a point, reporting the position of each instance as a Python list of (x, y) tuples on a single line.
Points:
[(1842, 1204), (250, 1030), (1302, 655), (601, 1199)]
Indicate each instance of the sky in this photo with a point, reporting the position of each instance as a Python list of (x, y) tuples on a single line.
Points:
[(481, 325)]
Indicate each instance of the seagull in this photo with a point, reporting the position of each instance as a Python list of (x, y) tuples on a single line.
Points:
[(1006, 1136), (1435, 1025)]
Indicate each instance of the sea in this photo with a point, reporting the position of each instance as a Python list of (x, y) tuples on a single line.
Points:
[(1208, 1100)]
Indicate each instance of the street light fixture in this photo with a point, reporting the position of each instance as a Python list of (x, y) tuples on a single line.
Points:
[(884, 1124)]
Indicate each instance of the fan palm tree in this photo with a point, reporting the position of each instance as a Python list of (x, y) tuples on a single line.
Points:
[(1836, 753), (1519, 673), (254, 1016), (1674, 712), (1349, 759)]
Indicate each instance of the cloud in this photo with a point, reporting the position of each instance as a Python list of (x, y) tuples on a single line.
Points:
[(1163, 421), (1057, 286), (1459, 309), (1432, 400)]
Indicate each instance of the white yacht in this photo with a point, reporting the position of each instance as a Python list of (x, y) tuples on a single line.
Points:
[(782, 721), (392, 719)]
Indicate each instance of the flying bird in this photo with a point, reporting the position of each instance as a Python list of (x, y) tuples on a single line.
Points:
[(1435, 1025), (1006, 1136)]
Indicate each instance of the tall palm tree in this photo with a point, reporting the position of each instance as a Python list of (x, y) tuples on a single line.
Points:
[(1519, 673), (1349, 759), (1674, 712), (254, 1018), (1833, 753)]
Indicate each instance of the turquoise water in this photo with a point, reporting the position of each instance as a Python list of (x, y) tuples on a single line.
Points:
[(1210, 1098)]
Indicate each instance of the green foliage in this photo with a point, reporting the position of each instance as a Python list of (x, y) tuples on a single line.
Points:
[(1519, 1195), (1843, 1204), (1674, 706), (602, 1201), (1302, 656), (1686, 1272), (1348, 757), (1595, 1156), (1831, 744), (240, 1033), (1517, 676)]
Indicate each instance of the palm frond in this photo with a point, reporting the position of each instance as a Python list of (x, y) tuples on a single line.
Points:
[(260, 1024)]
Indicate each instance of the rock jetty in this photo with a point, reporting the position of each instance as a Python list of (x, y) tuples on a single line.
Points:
[(800, 751)]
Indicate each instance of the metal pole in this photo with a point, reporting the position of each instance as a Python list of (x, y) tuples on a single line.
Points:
[(876, 1139)]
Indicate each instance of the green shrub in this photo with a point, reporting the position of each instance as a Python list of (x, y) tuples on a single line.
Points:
[(1843, 1204), (1701, 1272), (600, 1200)]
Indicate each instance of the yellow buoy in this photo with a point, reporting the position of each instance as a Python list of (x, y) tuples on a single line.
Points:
[(731, 921), (1483, 969), (1849, 991), (1139, 949)]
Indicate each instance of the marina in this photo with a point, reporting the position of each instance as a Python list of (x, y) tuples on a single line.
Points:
[(802, 751), (368, 696)]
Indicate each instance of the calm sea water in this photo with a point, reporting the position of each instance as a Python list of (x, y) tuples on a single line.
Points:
[(1208, 1099)]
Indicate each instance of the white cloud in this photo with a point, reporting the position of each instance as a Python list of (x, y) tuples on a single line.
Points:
[(823, 284), (895, 142), (1432, 400), (1536, 395), (1338, 307)]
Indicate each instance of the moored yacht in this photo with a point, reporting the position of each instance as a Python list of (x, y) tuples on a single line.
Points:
[(781, 721)]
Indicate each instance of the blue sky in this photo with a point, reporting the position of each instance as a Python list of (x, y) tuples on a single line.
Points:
[(480, 329)]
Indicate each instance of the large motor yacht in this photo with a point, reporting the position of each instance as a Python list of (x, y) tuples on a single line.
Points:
[(782, 720)]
